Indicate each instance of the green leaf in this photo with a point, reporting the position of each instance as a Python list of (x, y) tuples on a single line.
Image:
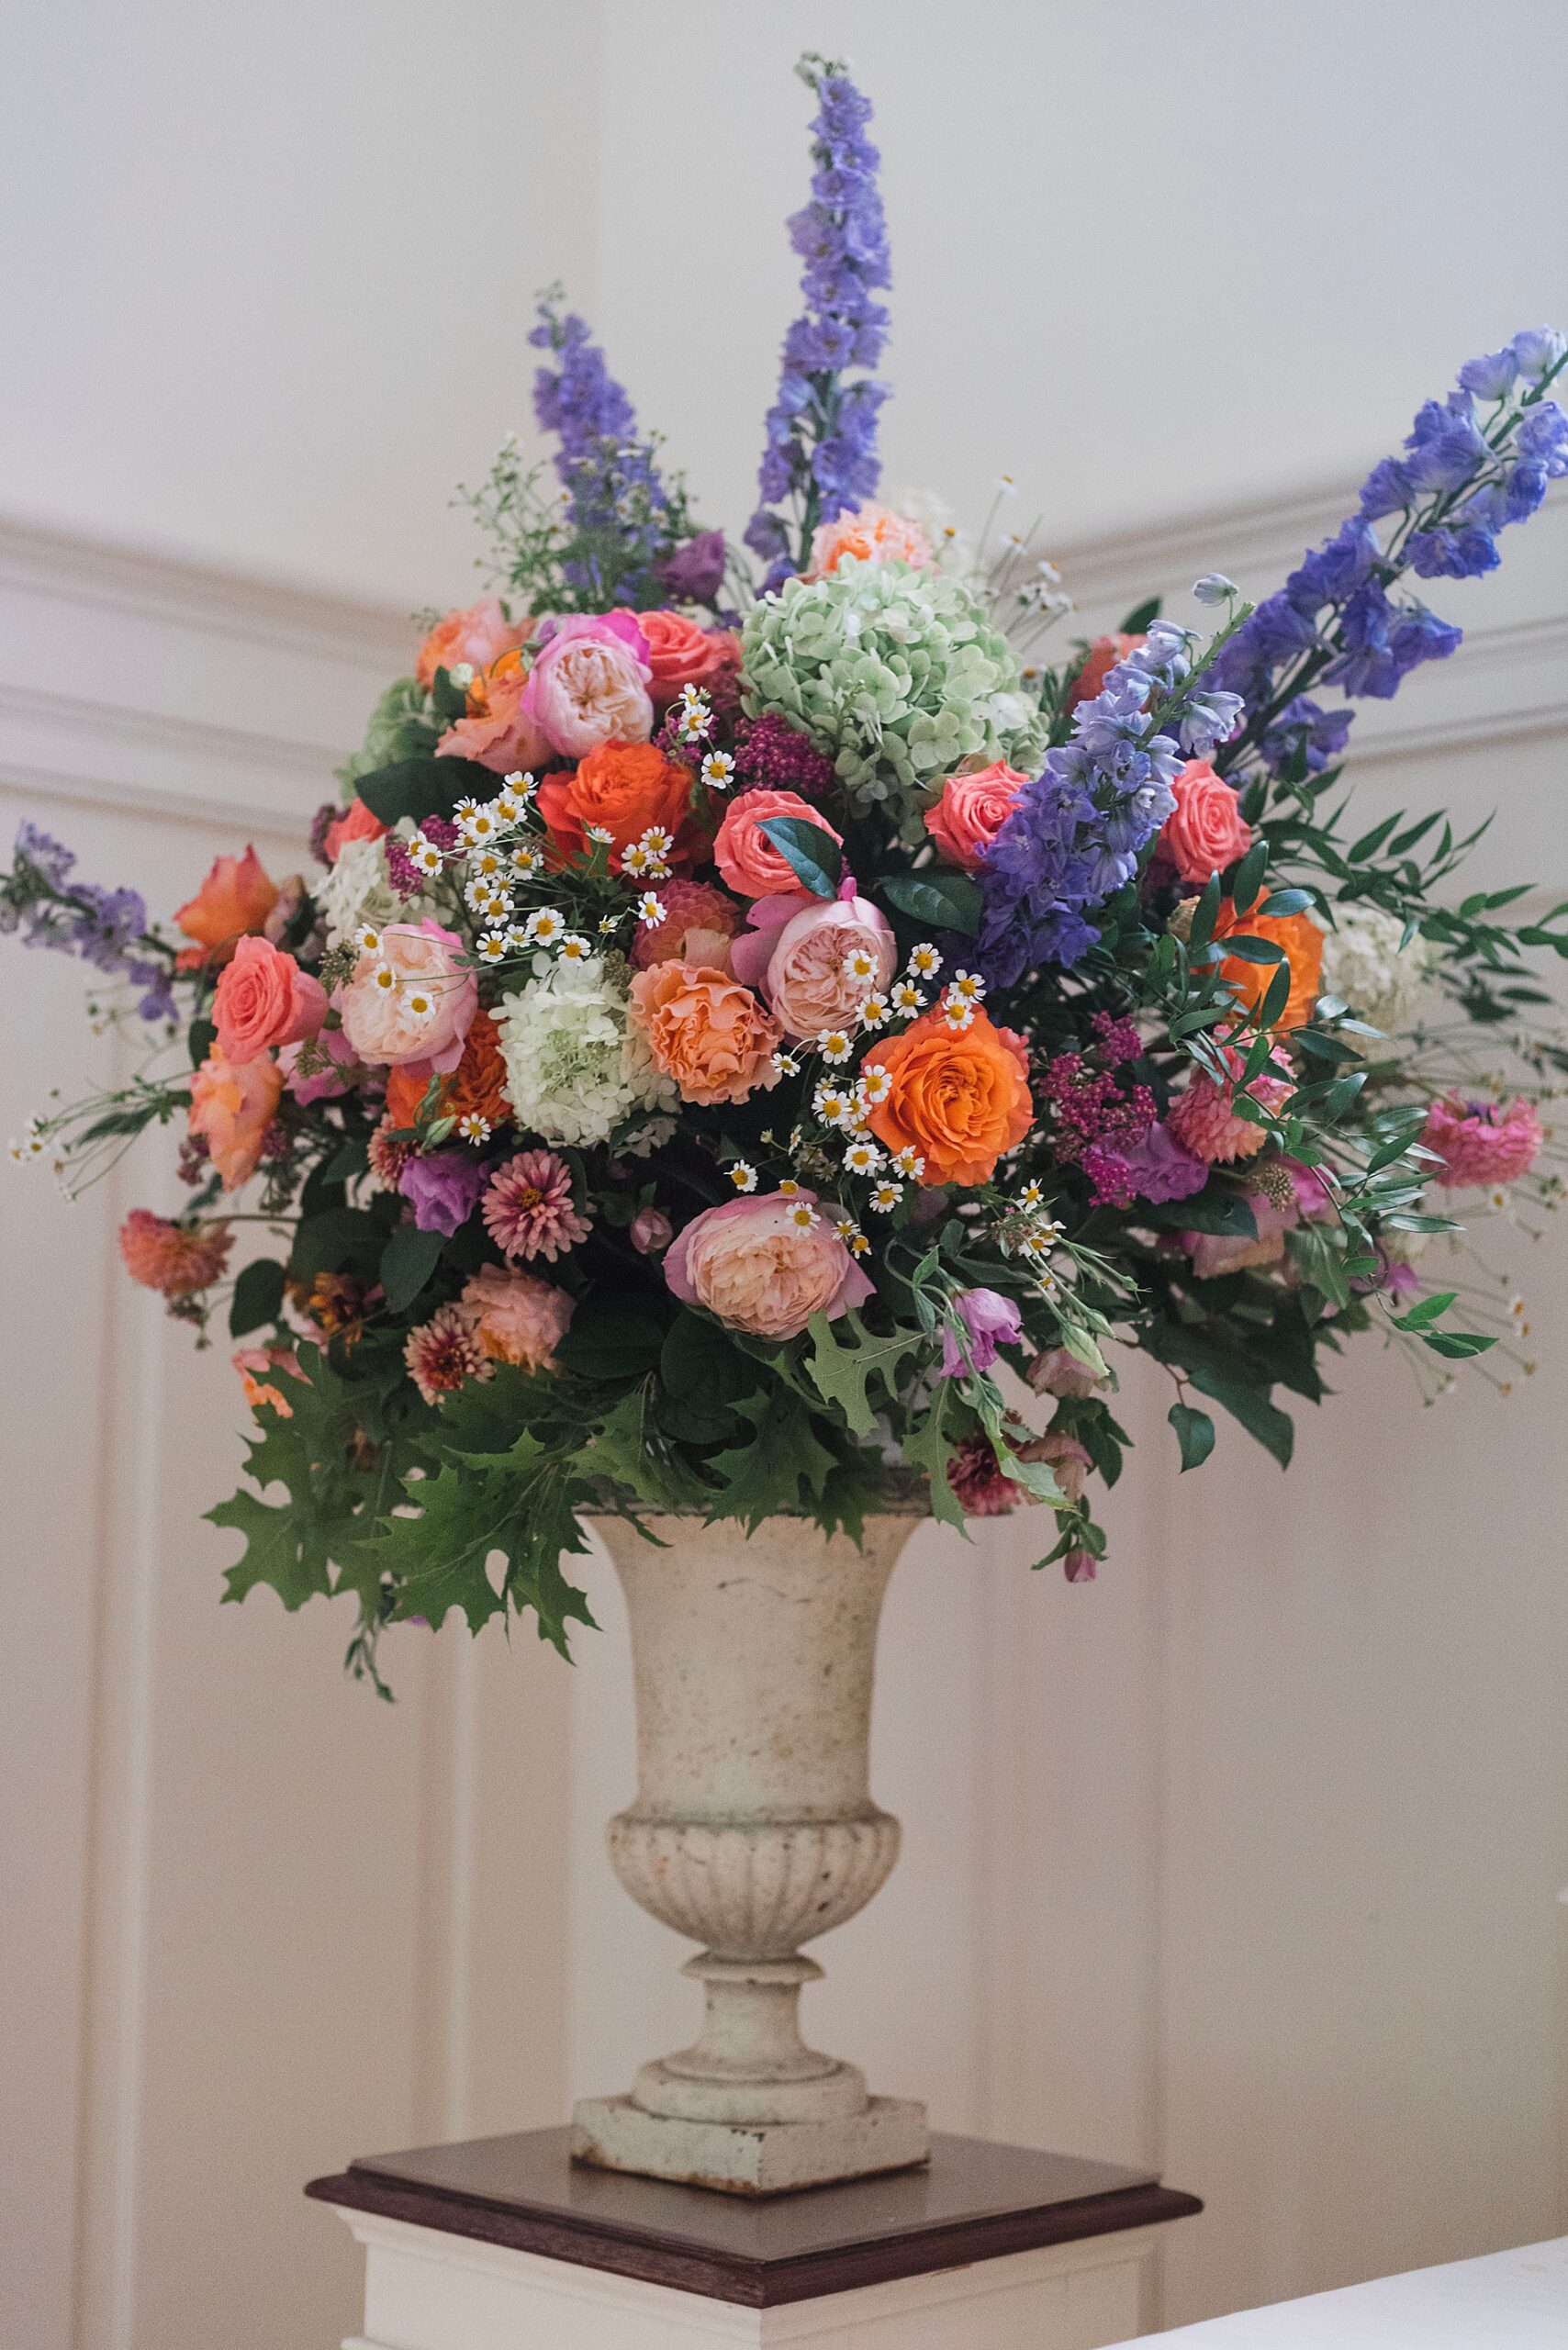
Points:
[(1194, 1434), (258, 1297), (702, 1376), (1250, 950), (1205, 918), (282, 1549), (1288, 901), (1216, 1209), (1250, 876), (420, 788), (1138, 618), (929, 1446), (1276, 995), (1458, 1344), (408, 1260), (842, 1374), (777, 1464), (611, 1341), (811, 853), (947, 901), (328, 1242), (203, 1036), (1429, 1310)]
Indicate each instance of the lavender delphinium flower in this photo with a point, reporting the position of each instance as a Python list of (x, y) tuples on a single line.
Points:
[(821, 455), (1462, 478), (107, 928), (618, 504)]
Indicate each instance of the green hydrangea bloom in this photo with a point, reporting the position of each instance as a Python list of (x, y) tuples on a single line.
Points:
[(897, 674)]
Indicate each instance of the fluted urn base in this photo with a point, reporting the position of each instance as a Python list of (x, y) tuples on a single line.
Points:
[(753, 1831)]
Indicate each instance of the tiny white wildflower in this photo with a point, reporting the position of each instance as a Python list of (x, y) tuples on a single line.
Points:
[(491, 946), (601, 834), (909, 1163), (575, 948), (484, 864), (718, 770), (368, 938), (651, 909), (480, 824), (907, 998), (875, 1083), (862, 1158), (474, 1126), (959, 1015), (886, 1196), (875, 1013), (743, 1175), (524, 861), (860, 964), (786, 1064), (424, 855), (969, 984), (384, 978), (835, 1048), (545, 925), (924, 961), (802, 1216), (419, 1003)]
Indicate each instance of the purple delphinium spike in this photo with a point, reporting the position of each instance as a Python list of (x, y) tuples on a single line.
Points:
[(107, 928), (615, 497), (821, 454)]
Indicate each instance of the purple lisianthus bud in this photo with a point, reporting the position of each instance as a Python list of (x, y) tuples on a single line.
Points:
[(991, 1322), (1079, 1566), (442, 1190), (651, 1232), (694, 573)]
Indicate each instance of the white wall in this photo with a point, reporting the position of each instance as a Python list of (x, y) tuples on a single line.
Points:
[(1245, 1858)]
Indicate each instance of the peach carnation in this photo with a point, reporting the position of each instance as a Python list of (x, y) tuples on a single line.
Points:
[(1204, 1120), (700, 922), (446, 1352), (625, 790), (477, 636), (743, 851), (972, 811), (232, 1104), (872, 534), (232, 903), (707, 1032), (755, 1265), (174, 1258), (413, 1000), (500, 731), (254, 1365), (517, 1317), (1482, 1143), (957, 1097), (1206, 831), (264, 999)]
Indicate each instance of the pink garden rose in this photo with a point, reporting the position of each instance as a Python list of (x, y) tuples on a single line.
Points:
[(264, 999), (589, 685), (972, 811), (422, 1010), (743, 851), (799, 951), (749, 1263)]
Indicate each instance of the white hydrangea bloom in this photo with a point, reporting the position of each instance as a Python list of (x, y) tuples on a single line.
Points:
[(358, 891), (578, 1063), (1364, 964), (956, 554)]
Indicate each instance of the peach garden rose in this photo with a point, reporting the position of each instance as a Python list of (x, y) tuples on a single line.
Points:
[(232, 1104), (411, 1000), (751, 1263), (706, 1031)]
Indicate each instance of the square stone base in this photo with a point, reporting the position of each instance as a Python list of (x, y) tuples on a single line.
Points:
[(760, 2158)]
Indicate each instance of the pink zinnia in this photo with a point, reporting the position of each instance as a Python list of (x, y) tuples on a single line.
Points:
[(1480, 1143), (1204, 1122), (528, 1209), (174, 1258), (445, 1351)]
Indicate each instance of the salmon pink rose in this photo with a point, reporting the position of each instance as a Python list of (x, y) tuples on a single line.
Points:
[(264, 999), (411, 1000), (972, 811), (589, 685), (232, 1104), (680, 654), (232, 903), (356, 823), (1098, 662), (751, 1263), (624, 788), (499, 731), (707, 1032), (745, 854), (1206, 831), (477, 636), (821, 962), (957, 1097)]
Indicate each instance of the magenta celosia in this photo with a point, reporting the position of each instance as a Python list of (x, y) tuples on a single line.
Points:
[(773, 756), (1481, 1143)]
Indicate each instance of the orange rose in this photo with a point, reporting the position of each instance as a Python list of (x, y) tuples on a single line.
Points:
[(959, 1098), (231, 1108), (707, 1032), (625, 787), (357, 822), (478, 636), (477, 1083), (1302, 943), (232, 903), (681, 653)]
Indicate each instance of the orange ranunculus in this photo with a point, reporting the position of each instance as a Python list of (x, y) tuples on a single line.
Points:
[(232, 903), (706, 1031), (625, 787), (958, 1098), (1302, 943)]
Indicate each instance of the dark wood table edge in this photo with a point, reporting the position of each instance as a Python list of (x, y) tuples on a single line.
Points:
[(751, 2284)]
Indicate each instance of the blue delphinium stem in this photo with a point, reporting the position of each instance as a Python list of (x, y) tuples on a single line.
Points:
[(616, 501), (107, 928), (821, 455)]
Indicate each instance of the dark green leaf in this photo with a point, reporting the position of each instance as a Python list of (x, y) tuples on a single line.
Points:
[(420, 788), (408, 1260), (947, 901), (811, 853), (335, 1239), (258, 1297), (1250, 876), (1194, 1434), (204, 1035), (1458, 1344), (1251, 950), (611, 1341), (1138, 618), (1287, 901)]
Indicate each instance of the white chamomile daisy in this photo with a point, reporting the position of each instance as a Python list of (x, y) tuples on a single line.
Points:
[(368, 938), (969, 984), (424, 855), (508, 806), (474, 1126), (491, 946), (835, 1048), (419, 1003), (651, 909), (860, 965), (467, 806), (656, 840), (575, 948), (874, 1084), (886, 1196), (480, 824), (1031, 1196), (875, 1013), (862, 1158), (743, 1175), (635, 861), (789, 1189), (957, 1014), (384, 978), (602, 835), (517, 937), (484, 864), (718, 770), (786, 1064), (907, 998), (520, 783), (29, 1146), (545, 926), (477, 894), (523, 860), (803, 1216), (607, 925), (833, 1104), (909, 1163), (925, 962)]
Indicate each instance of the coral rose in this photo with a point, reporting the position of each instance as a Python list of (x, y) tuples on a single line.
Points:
[(750, 1263), (232, 1104), (809, 981), (623, 788), (264, 999), (972, 811), (743, 851), (872, 534), (707, 1032), (680, 654), (1098, 662), (517, 1317), (477, 636), (356, 823), (589, 685), (958, 1098), (232, 903), (1302, 943), (1206, 831), (500, 730), (413, 1000)]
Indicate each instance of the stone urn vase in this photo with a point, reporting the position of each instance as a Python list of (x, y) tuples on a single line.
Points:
[(753, 1831)]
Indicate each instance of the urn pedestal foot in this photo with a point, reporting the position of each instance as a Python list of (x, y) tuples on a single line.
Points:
[(751, 2158)]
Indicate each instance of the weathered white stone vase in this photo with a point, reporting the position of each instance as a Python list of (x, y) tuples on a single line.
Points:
[(753, 1831)]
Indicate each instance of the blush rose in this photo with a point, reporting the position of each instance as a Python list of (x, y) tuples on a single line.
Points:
[(804, 974), (478, 636), (589, 685), (500, 730), (751, 1265), (680, 654), (379, 1021), (232, 1104)]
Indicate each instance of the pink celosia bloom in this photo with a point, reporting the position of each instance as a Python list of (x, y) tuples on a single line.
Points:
[(528, 1209), (445, 1351), (1481, 1143), (174, 1258), (700, 922), (1204, 1122), (517, 1317)]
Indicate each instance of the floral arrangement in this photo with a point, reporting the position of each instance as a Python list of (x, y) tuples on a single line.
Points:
[(734, 1014)]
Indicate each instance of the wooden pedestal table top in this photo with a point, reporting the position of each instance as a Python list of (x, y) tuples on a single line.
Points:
[(972, 2201)]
